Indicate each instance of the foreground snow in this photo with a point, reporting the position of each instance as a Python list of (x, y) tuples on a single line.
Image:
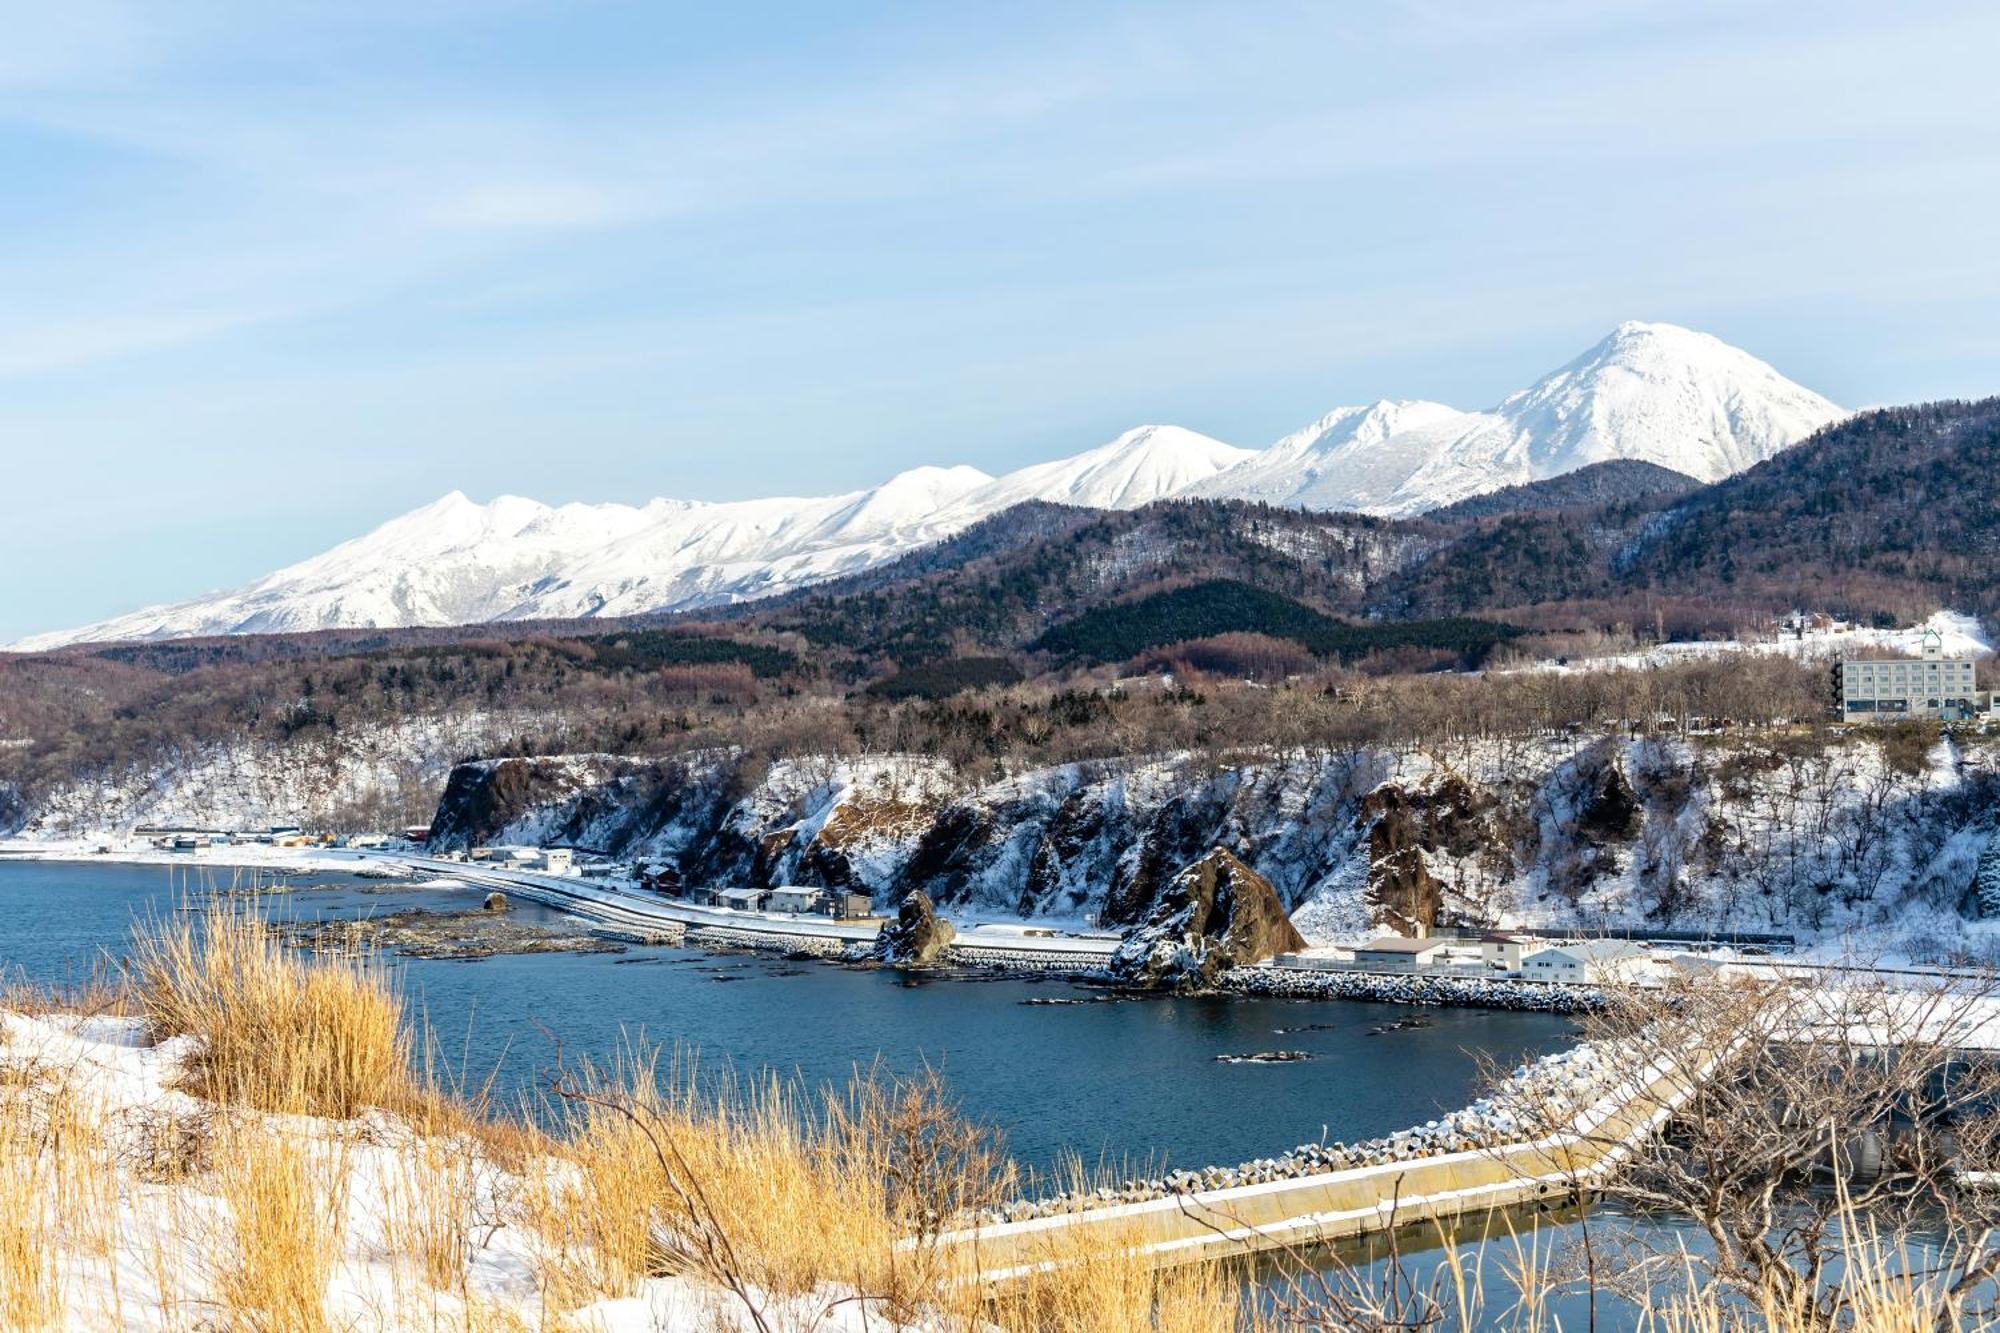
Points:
[(141, 1242)]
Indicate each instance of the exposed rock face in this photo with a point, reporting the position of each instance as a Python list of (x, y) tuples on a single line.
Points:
[(1216, 914), (1178, 834), (1608, 811), (1591, 815), (918, 937), (598, 801), (1402, 895), (480, 799), (13, 810)]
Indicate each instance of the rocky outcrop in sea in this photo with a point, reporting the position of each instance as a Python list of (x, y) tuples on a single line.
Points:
[(918, 937), (1214, 915)]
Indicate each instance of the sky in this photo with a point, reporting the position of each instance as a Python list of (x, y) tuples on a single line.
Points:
[(273, 272)]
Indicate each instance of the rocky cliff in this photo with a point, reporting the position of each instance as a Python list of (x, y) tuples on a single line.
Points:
[(1778, 831)]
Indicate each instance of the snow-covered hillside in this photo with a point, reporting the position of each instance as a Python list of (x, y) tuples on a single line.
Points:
[(1957, 634), (1651, 392), (364, 777)]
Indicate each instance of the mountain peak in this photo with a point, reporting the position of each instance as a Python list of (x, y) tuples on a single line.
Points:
[(1660, 393), (1143, 464)]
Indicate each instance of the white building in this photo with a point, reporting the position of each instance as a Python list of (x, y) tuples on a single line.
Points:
[(742, 900), (1932, 686), (1502, 952), (1588, 962)]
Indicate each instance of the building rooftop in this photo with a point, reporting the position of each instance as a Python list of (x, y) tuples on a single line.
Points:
[(1398, 944)]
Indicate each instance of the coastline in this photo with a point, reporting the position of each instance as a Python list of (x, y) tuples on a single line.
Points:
[(988, 950)]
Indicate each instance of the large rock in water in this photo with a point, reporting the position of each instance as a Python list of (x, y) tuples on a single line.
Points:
[(918, 937), (1216, 914)]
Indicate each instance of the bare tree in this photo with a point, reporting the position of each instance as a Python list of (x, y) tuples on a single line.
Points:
[(1809, 1107)]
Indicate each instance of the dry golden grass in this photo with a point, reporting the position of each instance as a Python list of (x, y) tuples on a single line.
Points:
[(277, 1032), (30, 1295), (431, 1209), (287, 1210), (1109, 1288), (1885, 1287), (653, 1179), (789, 1214)]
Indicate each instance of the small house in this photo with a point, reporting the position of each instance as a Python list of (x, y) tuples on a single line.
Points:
[(742, 900), (845, 904), (1587, 962), (1395, 951), (795, 898), (699, 895)]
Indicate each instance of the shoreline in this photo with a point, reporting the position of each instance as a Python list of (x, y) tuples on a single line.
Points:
[(613, 909)]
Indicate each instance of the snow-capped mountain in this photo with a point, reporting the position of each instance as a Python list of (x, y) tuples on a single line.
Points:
[(1656, 393), (1652, 392), (457, 562)]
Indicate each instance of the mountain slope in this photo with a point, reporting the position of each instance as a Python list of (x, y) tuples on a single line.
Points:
[(1902, 498), (1892, 513), (1142, 465), (1598, 484), (456, 562), (1317, 461)]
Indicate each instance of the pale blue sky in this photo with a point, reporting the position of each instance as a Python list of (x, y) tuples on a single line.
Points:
[(272, 272)]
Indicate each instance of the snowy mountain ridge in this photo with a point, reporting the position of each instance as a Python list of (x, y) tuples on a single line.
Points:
[(1653, 392)]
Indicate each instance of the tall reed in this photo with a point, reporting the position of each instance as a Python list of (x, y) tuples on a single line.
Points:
[(275, 1032)]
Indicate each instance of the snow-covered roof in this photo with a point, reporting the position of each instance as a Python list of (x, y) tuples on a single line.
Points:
[(1397, 944), (1591, 951)]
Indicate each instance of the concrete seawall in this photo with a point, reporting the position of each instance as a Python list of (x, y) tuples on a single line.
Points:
[(1311, 1210)]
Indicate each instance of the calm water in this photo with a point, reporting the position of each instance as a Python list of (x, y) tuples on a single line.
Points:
[(1126, 1082)]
